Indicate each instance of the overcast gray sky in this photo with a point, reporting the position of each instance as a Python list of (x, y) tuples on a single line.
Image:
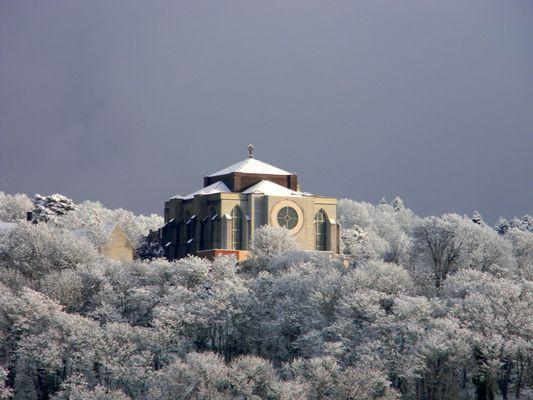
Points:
[(132, 102)]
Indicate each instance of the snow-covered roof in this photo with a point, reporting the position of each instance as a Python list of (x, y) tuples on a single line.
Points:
[(251, 166), (108, 228), (269, 188), (217, 187)]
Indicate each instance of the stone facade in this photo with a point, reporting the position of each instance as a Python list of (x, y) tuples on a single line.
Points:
[(117, 246), (207, 224)]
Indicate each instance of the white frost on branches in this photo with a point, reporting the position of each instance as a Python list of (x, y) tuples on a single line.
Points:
[(430, 308)]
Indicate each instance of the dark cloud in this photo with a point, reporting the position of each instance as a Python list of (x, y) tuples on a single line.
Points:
[(132, 102)]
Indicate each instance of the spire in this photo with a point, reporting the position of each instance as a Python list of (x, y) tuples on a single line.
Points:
[(250, 151)]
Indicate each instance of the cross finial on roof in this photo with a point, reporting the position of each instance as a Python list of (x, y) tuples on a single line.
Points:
[(250, 151)]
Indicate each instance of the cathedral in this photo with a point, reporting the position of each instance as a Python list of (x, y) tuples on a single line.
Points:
[(221, 217)]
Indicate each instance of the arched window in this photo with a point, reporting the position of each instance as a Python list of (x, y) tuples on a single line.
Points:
[(236, 228), (320, 231), (213, 228), (190, 226), (185, 228), (204, 243)]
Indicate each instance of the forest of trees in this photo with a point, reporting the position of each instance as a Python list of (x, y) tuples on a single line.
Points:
[(431, 308)]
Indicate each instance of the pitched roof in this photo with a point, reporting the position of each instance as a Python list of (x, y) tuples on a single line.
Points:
[(269, 188), (217, 187), (252, 166)]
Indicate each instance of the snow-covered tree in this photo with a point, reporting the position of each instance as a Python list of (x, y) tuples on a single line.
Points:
[(447, 243), (294, 325), (217, 305), (522, 250), (397, 204), (47, 208), (14, 208), (492, 309), (254, 377), (76, 388), (36, 250), (324, 378), (5, 391), (389, 230), (270, 242), (93, 218), (440, 244), (446, 352), (384, 277), (149, 248), (524, 223), (359, 246), (199, 376), (502, 226), (477, 218)]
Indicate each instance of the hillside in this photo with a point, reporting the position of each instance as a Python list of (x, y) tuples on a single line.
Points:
[(430, 308)]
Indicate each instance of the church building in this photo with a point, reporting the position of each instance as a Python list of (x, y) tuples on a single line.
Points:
[(221, 217)]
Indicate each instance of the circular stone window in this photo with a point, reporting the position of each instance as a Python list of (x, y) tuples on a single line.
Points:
[(287, 218)]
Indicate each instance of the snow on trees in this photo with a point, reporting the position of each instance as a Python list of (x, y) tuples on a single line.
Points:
[(524, 224), (92, 217), (497, 311), (447, 243), (5, 391), (149, 248), (388, 229), (325, 378), (522, 252), (436, 308), (14, 208), (270, 242), (37, 250), (397, 204), (46, 208)]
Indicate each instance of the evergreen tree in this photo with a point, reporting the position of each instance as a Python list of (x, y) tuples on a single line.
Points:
[(47, 208), (477, 218), (397, 204), (150, 247)]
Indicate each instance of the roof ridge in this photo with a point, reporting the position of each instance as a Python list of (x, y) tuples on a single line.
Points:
[(216, 187), (273, 186), (251, 166)]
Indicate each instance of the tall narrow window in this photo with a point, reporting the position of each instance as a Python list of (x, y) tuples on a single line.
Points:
[(191, 234), (213, 228), (191, 225), (236, 228), (185, 228), (204, 243), (320, 231)]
